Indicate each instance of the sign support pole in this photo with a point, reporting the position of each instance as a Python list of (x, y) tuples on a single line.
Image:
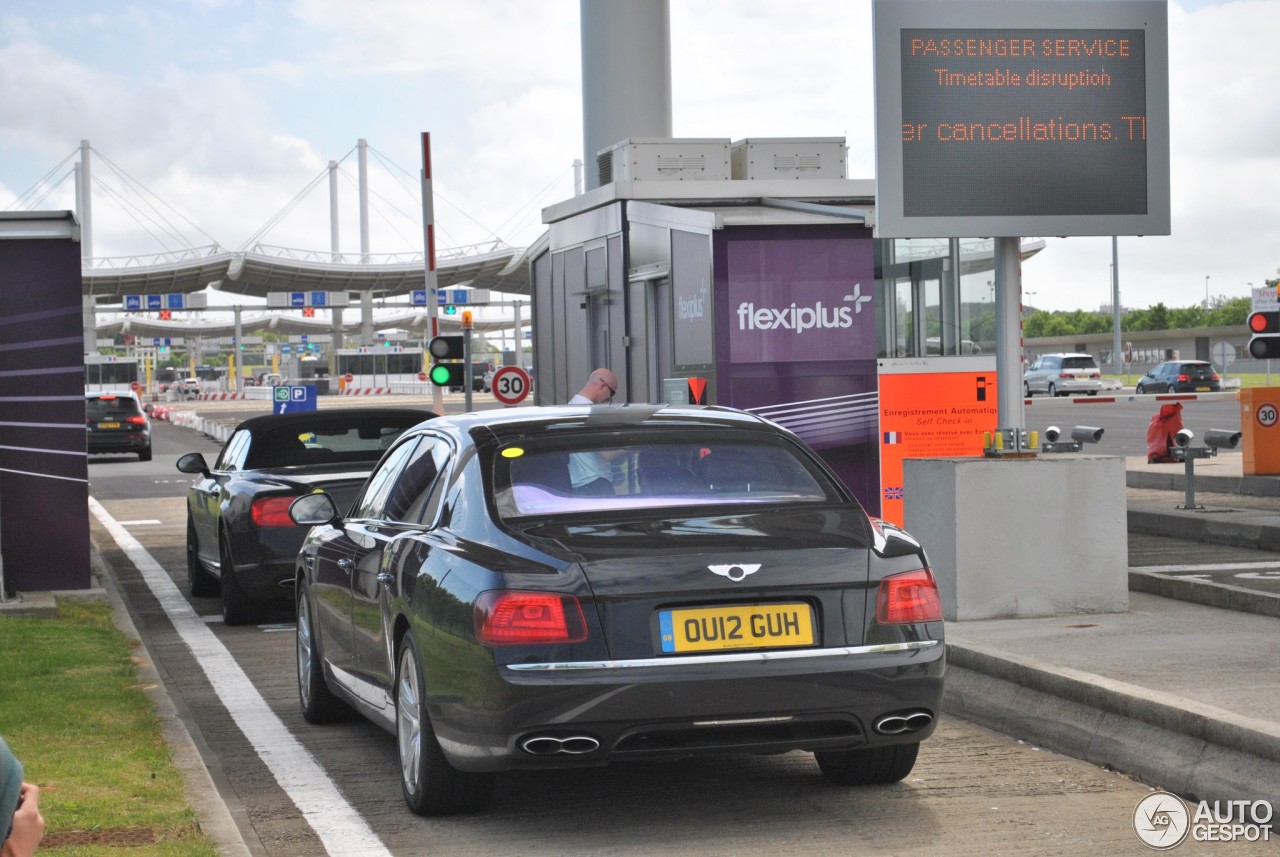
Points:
[(1009, 401)]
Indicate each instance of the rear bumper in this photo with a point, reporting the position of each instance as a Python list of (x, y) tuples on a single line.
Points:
[(264, 562), (749, 703), (122, 442)]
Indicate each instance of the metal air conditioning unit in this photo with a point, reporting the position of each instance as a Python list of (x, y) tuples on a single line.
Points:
[(789, 158), (664, 159)]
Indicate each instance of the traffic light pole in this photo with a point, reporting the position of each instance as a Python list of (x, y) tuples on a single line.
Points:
[(467, 371)]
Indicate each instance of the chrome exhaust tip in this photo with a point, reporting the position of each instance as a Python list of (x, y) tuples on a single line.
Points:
[(904, 722), (556, 745)]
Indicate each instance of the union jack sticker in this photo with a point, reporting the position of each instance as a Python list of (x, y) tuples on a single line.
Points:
[(893, 492)]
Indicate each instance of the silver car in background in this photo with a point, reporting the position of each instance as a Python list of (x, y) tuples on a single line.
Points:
[(1062, 375)]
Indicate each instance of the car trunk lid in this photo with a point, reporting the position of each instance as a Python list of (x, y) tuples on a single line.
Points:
[(667, 586)]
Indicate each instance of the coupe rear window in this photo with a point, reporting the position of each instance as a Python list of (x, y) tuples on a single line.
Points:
[(534, 482), (320, 443)]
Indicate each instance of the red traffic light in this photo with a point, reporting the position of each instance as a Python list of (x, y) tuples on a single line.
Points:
[(1264, 322)]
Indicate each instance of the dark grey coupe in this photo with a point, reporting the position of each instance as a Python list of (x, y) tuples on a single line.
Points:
[(241, 542), (721, 592)]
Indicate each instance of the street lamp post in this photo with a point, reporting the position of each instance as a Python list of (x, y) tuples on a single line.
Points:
[(1206, 292)]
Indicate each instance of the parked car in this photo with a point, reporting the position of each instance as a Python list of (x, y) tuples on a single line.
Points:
[(1062, 375), (1180, 376), (728, 595), (241, 542), (116, 422)]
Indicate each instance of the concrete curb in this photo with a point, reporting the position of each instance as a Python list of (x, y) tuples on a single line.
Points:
[(1252, 528), (1206, 592), (1191, 749), (1174, 479)]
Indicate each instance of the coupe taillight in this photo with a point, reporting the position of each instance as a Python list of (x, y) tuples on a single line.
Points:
[(908, 598), (272, 512), (513, 618)]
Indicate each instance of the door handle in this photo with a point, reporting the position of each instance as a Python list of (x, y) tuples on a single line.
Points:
[(346, 565), (385, 579)]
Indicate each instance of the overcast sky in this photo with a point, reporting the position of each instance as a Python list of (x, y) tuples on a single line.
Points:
[(225, 112)]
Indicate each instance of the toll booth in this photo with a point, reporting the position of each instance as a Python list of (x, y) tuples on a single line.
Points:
[(747, 274)]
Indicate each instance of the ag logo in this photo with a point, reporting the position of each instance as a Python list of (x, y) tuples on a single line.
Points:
[(735, 573), (1161, 820)]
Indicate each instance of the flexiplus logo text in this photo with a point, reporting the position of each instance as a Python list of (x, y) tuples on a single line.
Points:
[(1163, 821), (799, 318)]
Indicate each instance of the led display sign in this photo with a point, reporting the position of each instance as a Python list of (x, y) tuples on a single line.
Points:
[(1021, 118)]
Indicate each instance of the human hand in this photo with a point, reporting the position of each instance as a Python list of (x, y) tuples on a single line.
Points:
[(28, 825)]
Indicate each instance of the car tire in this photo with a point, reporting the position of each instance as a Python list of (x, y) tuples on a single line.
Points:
[(1026, 390), (1052, 391), (236, 609), (868, 767), (319, 705), (145, 454), (1139, 389), (431, 786), (201, 582)]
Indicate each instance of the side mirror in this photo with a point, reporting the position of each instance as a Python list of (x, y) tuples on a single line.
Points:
[(313, 510), (193, 462)]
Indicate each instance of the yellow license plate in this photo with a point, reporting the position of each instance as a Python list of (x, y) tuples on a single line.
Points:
[(1202, 389), (108, 425), (741, 626)]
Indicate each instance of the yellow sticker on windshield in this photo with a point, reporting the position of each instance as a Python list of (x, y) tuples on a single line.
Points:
[(512, 452)]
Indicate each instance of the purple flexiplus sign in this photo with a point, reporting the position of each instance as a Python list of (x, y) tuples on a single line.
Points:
[(800, 300)]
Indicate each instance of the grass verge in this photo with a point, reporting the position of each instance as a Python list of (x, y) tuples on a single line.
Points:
[(73, 712)]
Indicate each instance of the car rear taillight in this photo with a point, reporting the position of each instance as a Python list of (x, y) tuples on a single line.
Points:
[(1182, 379), (908, 598), (272, 512), (137, 420), (509, 618)]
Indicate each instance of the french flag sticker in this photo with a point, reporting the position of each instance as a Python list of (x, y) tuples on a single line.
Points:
[(893, 437)]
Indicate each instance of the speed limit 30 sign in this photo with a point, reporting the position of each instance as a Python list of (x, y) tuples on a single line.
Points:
[(510, 385), (1267, 415)]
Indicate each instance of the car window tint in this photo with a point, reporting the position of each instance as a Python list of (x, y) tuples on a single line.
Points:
[(321, 442), (657, 475), (409, 499), (1078, 363), (111, 407), (232, 457), (373, 498)]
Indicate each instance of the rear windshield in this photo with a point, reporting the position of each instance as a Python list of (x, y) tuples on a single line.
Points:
[(537, 482), (1078, 363), (107, 407), (1197, 370), (322, 442)]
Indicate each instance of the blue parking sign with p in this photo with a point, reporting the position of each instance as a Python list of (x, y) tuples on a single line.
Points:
[(293, 399)]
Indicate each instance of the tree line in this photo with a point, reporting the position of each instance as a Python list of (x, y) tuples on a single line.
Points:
[(1221, 312)]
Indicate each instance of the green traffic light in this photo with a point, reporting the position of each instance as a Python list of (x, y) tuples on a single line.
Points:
[(441, 375)]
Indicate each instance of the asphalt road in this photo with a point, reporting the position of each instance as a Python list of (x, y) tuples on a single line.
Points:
[(973, 792)]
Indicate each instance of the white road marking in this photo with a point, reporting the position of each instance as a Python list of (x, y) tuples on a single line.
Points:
[(340, 828), (140, 523)]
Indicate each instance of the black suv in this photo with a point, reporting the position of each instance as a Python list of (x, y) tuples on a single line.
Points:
[(117, 423), (1180, 376)]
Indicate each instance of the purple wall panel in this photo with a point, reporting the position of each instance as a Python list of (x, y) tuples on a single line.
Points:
[(44, 487)]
